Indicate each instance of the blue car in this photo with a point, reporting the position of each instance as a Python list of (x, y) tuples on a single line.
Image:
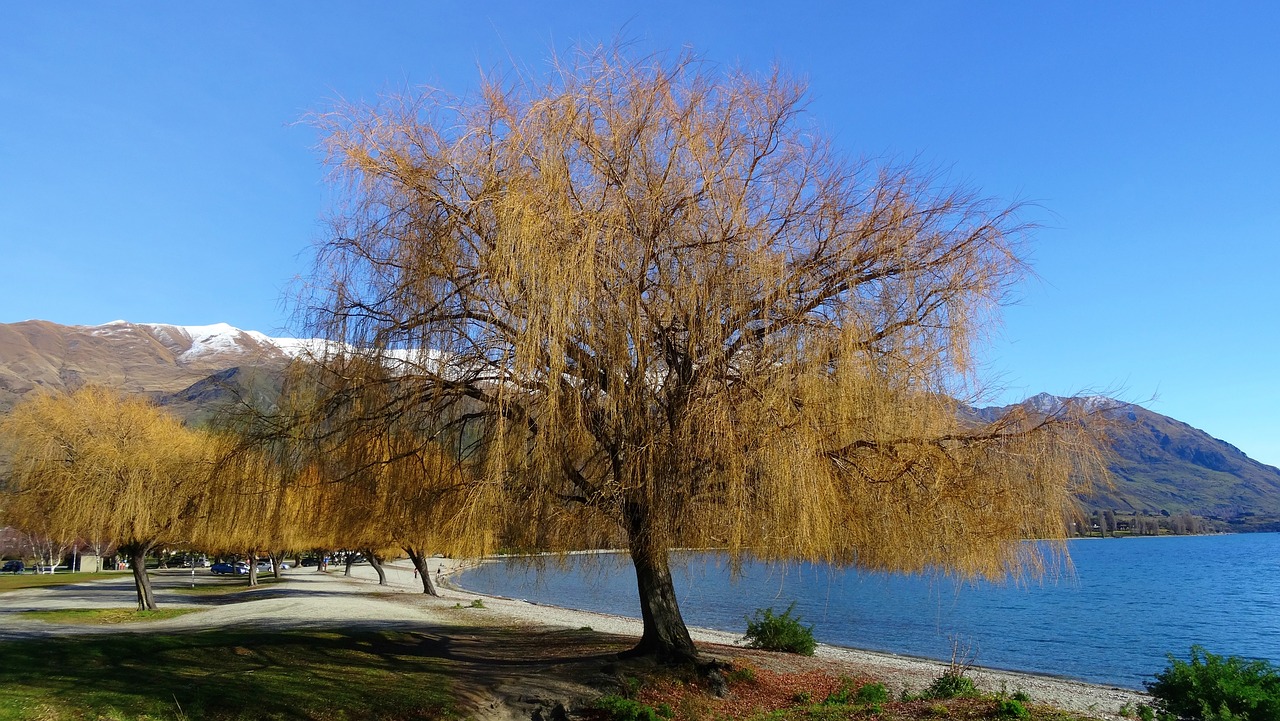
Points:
[(238, 569)]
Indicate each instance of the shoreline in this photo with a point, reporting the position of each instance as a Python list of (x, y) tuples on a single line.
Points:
[(897, 671)]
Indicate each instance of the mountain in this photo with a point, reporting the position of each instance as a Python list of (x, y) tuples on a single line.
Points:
[(1160, 464), (148, 358)]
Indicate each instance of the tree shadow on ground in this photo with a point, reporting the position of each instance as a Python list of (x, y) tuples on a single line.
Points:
[(392, 672)]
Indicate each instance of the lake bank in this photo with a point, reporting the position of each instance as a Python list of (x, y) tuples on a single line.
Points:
[(1110, 620), (897, 671)]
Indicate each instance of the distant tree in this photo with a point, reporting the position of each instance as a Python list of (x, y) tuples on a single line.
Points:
[(653, 308), (96, 464), (1109, 521), (372, 485)]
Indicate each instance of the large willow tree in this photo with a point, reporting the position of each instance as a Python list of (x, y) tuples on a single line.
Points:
[(652, 304)]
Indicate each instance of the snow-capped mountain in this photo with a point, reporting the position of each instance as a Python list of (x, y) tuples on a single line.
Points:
[(151, 358), (195, 342)]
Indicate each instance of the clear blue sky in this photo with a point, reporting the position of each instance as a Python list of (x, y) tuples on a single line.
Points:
[(152, 167)]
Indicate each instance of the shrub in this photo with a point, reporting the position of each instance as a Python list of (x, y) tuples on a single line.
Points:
[(951, 685), (840, 697), (872, 694), (1011, 709), (779, 633), (1213, 688), (619, 708)]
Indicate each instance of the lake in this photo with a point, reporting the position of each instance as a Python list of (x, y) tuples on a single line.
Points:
[(1129, 602)]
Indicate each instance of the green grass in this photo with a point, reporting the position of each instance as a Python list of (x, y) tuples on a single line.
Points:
[(224, 675), (105, 616), (13, 582)]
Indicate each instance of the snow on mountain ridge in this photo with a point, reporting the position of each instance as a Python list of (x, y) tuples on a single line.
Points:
[(216, 339), (1048, 404)]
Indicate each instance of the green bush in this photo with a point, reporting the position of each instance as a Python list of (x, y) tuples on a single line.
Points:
[(779, 633), (1011, 709), (869, 694), (1213, 688), (951, 685), (619, 708), (872, 694)]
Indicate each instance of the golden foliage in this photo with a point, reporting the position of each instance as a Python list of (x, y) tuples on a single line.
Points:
[(96, 464), (645, 301)]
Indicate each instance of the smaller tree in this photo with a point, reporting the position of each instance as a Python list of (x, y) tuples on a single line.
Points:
[(96, 464)]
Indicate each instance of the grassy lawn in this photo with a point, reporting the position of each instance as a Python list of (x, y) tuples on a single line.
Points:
[(103, 616), (224, 675), (13, 582)]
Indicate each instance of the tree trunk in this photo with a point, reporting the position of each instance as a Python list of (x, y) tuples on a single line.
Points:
[(141, 581), (351, 559), (253, 567), (424, 573), (665, 637), (277, 560), (377, 565)]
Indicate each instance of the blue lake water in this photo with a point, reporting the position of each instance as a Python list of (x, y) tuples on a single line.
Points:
[(1129, 602)]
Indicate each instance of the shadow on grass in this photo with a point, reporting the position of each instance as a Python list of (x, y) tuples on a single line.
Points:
[(311, 674)]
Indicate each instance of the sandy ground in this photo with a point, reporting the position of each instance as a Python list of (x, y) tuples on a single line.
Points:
[(312, 599)]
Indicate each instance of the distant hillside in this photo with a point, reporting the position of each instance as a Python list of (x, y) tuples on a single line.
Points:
[(228, 392), (146, 358), (1161, 464)]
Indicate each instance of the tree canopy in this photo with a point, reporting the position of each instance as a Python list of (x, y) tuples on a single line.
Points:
[(647, 303), (96, 464)]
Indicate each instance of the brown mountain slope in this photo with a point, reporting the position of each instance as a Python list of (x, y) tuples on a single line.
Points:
[(1162, 465), (138, 358)]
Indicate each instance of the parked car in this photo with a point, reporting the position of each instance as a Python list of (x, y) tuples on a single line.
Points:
[(13, 567), (238, 569)]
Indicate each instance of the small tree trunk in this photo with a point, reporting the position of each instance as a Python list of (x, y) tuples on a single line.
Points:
[(141, 581), (376, 562), (351, 559), (666, 638), (277, 560), (253, 567), (424, 573)]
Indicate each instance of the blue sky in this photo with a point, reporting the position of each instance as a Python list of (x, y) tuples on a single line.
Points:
[(152, 166)]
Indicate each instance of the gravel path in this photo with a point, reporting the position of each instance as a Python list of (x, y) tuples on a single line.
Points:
[(312, 599)]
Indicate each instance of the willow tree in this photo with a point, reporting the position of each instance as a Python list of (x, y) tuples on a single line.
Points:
[(96, 464), (250, 508), (654, 304), (384, 480)]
